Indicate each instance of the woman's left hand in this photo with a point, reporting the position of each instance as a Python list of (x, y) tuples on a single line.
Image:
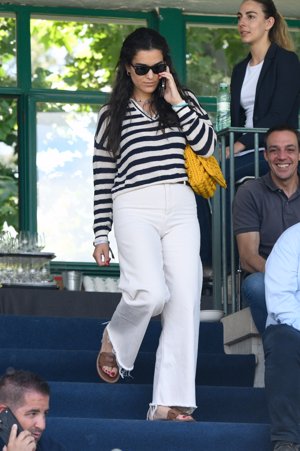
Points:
[(171, 94), (101, 254)]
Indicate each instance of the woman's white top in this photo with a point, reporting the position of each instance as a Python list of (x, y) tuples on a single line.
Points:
[(248, 91)]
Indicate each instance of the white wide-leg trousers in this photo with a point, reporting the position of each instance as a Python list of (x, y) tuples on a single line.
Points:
[(158, 238)]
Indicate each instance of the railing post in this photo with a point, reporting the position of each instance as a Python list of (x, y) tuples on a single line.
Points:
[(222, 223), (216, 250)]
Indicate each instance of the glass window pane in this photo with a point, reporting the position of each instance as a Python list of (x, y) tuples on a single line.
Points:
[(211, 54), (8, 65), (65, 145), (296, 39), (8, 163), (75, 55)]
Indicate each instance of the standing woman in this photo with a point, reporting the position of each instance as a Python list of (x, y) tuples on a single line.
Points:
[(141, 183), (265, 86)]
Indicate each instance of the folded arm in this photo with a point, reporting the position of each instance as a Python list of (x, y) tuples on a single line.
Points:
[(248, 247)]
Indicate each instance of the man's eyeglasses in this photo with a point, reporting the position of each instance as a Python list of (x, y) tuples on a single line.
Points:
[(143, 69)]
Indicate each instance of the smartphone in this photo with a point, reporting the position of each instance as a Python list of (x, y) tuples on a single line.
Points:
[(7, 419), (162, 86)]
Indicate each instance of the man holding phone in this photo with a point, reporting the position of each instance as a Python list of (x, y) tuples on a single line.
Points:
[(24, 404)]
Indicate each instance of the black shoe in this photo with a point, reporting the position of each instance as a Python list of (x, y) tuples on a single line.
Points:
[(286, 446)]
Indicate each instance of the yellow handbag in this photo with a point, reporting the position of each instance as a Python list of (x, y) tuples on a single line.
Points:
[(203, 173)]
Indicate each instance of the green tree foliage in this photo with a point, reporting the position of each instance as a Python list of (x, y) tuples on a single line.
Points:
[(8, 51), (8, 163), (8, 128), (8, 196), (89, 52), (296, 39), (211, 55)]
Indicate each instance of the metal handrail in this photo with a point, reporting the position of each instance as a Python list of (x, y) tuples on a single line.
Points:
[(226, 280)]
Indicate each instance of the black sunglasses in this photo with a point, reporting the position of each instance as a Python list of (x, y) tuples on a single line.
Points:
[(143, 69)]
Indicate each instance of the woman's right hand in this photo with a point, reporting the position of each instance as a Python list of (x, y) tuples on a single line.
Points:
[(101, 254), (237, 148), (171, 94), (23, 442)]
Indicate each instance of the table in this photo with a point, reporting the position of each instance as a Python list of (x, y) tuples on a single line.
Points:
[(54, 302)]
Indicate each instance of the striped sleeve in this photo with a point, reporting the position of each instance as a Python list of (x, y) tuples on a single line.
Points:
[(197, 127), (104, 170), (148, 155)]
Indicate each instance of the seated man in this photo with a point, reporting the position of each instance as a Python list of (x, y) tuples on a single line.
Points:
[(281, 340), (27, 396), (262, 209)]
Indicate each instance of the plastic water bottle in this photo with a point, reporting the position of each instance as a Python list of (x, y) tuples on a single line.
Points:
[(223, 107)]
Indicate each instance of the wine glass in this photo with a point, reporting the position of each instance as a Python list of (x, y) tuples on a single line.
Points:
[(39, 241), (24, 241)]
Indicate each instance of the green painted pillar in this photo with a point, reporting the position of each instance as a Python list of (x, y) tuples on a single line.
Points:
[(27, 127), (171, 25)]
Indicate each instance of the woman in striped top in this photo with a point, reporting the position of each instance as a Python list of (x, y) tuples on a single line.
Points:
[(140, 182)]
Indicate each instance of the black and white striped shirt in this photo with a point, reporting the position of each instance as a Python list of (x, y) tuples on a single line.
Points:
[(147, 156)]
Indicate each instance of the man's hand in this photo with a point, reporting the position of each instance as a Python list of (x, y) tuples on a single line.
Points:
[(23, 442)]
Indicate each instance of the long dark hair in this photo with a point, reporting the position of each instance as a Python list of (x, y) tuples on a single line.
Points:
[(140, 39), (279, 32)]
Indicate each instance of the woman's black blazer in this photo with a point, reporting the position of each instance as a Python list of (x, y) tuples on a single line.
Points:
[(277, 98)]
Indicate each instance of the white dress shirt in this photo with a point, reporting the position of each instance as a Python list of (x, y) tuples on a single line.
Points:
[(282, 279)]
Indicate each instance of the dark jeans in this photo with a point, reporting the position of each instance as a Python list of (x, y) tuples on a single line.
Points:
[(244, 166), (253, 296), (282, 381), (204, 218)]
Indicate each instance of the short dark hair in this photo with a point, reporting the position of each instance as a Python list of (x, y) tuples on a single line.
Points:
[(15, 383), (282, 128)]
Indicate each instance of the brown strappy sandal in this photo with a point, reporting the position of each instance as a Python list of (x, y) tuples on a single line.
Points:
[(177, 415), (107, 359), (169, 414)]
